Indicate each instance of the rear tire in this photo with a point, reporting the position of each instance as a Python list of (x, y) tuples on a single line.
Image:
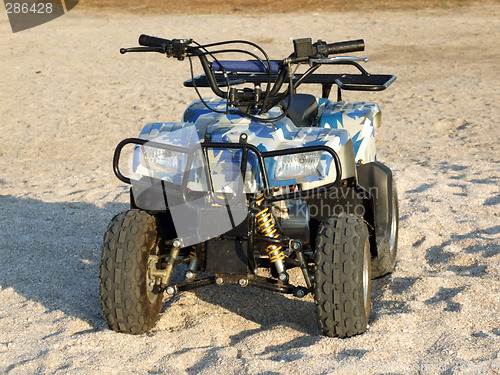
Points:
[(129, 303), (385, 262), (342, 284)]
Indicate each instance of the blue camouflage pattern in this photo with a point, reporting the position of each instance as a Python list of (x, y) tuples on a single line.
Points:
[(339, 125), (360, 119)]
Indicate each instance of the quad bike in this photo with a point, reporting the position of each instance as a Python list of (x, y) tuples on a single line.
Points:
[(253, 183)]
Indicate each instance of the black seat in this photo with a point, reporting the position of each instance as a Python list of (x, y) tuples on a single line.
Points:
[(304, 109)]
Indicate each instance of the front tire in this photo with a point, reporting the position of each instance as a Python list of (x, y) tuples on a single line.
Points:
[(342, 284), (130, 303)]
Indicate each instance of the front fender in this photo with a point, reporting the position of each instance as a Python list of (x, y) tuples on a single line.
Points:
[(276, 136)]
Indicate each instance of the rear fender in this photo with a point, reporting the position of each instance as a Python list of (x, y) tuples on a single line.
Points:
[(360, 119)]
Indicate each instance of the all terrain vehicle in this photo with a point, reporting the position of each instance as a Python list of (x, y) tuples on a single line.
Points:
[(255, 182)]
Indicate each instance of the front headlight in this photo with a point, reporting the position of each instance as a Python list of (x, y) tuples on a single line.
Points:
[(163, 161), (298, 165)]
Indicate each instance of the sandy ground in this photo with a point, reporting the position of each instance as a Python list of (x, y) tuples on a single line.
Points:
[(68, 97)]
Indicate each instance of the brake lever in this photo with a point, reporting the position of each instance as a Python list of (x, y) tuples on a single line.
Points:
[(142, 49), (333, 60)]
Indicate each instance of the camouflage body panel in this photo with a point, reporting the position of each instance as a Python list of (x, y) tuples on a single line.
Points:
[(280, 135), (360, 119)]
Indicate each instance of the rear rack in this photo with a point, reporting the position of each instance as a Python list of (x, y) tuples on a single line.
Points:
[(363, 81), (356, 82)]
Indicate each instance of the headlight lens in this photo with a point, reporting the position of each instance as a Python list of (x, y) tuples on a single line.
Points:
[(298, 165), (163, 161)]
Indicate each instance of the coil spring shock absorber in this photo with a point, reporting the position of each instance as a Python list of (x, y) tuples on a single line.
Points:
[(193, 264), (266, 227)]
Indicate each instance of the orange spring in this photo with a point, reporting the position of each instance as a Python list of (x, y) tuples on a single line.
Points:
[(192, 253), (265, 225)]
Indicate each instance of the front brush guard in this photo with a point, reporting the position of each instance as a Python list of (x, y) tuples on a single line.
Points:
[(245, 147)]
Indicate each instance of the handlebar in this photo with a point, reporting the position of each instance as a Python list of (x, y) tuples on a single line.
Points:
[(152, 41), (346, 47), (313, 49), (305, 51)]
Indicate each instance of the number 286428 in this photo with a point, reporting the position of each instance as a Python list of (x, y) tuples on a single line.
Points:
[(25, 8)]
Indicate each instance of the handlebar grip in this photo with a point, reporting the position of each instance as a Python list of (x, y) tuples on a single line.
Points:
[(152, 41), (346, 47)]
